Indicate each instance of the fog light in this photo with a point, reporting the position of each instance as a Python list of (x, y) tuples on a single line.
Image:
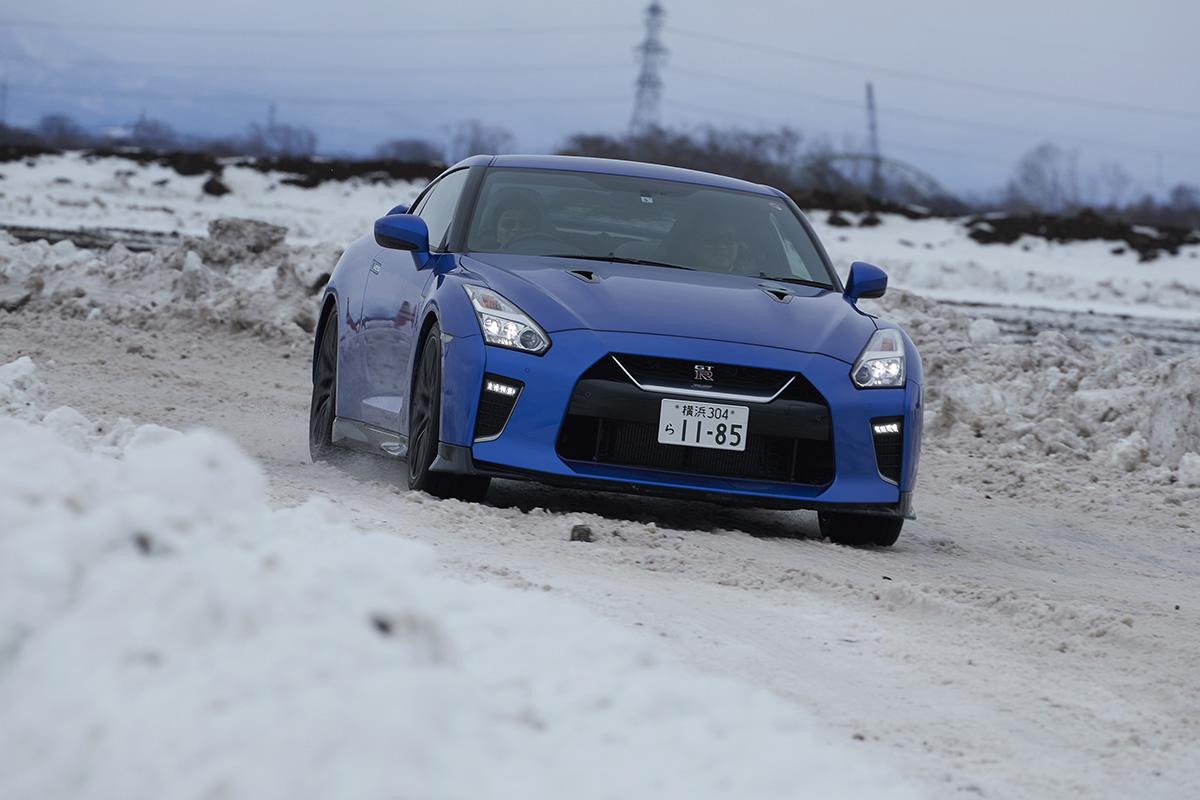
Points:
[(886, 427), (500, 388)]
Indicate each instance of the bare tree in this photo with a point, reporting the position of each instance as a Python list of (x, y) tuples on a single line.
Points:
[(472, 137), (279, 139), (1046, 179), (60, 130), (153, 134), (1111, 185), (415, 150), (759, 156), (1185, 198)]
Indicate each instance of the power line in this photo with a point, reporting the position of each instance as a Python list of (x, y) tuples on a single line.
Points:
[(1013, 91), (303, 100), (288, 33), (937, 118), (890, 142), (381, 70)]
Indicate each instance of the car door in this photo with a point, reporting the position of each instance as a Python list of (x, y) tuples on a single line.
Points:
[(392, 299)]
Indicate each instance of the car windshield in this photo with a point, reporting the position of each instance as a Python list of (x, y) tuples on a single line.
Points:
[(656, 223)]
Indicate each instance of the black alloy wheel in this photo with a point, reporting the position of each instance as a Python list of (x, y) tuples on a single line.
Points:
[(424, 425), (323, 408)]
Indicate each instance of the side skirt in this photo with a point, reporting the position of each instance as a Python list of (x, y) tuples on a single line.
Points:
[(368, 438)]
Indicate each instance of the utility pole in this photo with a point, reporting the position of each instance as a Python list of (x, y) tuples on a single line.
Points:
[(876, 185), (4, 101), (652, 55)]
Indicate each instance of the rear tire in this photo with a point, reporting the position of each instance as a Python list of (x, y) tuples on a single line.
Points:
[(424, 425), (859, 529), (323, 409)]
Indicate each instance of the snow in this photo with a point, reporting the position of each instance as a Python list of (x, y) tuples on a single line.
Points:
[(1031, 635), (165, 632), (242, 275), (1189, 470), (1060, 408), (983, 330), (78, 191), (937, 258)]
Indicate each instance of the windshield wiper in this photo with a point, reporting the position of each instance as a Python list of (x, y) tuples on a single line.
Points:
[(797, 281), (622, 260)]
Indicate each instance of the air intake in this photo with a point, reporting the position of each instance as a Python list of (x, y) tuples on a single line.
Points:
[(497, 398), (888, 435)]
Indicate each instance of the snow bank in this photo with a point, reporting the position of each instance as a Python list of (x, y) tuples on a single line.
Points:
[(165, 633), (937, 258), (1061, 409), (243, 274), (77, 191)]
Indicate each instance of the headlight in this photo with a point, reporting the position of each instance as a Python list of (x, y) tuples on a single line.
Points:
[(505, 325), (881, 364)]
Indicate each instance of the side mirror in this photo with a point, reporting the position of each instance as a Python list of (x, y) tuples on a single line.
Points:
[(400, 209), (866, 280), (402, 232)]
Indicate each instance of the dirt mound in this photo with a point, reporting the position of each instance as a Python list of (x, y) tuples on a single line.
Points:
[(17, 152), (835, 202), (311, 172), (183, 162), (1087, 225)]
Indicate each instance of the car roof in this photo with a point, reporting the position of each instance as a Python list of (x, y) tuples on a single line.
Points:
[(612, 166)]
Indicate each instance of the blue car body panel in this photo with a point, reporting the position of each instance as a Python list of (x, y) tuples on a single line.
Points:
[(384, 301)]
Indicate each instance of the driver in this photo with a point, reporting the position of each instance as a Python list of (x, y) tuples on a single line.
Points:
[(707, 241), (715, 248), (515, 212)]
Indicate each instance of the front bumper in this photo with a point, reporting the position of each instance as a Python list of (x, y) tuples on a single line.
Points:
[(527, 448)]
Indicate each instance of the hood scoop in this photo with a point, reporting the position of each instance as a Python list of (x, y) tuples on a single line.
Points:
[(782, 295), (585, 275)]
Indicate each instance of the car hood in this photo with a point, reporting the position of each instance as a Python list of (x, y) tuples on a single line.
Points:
[(658, 300)]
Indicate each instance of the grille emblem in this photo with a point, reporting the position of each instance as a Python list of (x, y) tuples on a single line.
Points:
[(704, 373)]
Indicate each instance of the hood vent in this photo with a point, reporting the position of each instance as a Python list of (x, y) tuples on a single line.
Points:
[(782, 295), (585, 275)]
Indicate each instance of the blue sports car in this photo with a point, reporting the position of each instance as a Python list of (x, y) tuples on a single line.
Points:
[(621, 327)]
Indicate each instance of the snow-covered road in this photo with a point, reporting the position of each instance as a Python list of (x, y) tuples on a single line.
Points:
[(1024, 647), (1034, 633)]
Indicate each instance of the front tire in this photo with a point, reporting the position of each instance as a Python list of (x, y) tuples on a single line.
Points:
[(323, 409), (859, 529), (424, 425)]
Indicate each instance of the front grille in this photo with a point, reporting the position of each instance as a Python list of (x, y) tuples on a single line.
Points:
[(889, 446), (495, 408), (610, 421), (681, 374)]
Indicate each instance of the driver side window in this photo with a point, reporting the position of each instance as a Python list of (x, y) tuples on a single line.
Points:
[(438, 205)]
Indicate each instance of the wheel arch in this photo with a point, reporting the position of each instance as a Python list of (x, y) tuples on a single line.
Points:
[(430, 319), (329, 308)]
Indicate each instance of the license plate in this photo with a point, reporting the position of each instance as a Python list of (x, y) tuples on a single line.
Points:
[(692, 424)]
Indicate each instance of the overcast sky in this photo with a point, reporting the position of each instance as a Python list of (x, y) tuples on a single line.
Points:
[(1116, 81)]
